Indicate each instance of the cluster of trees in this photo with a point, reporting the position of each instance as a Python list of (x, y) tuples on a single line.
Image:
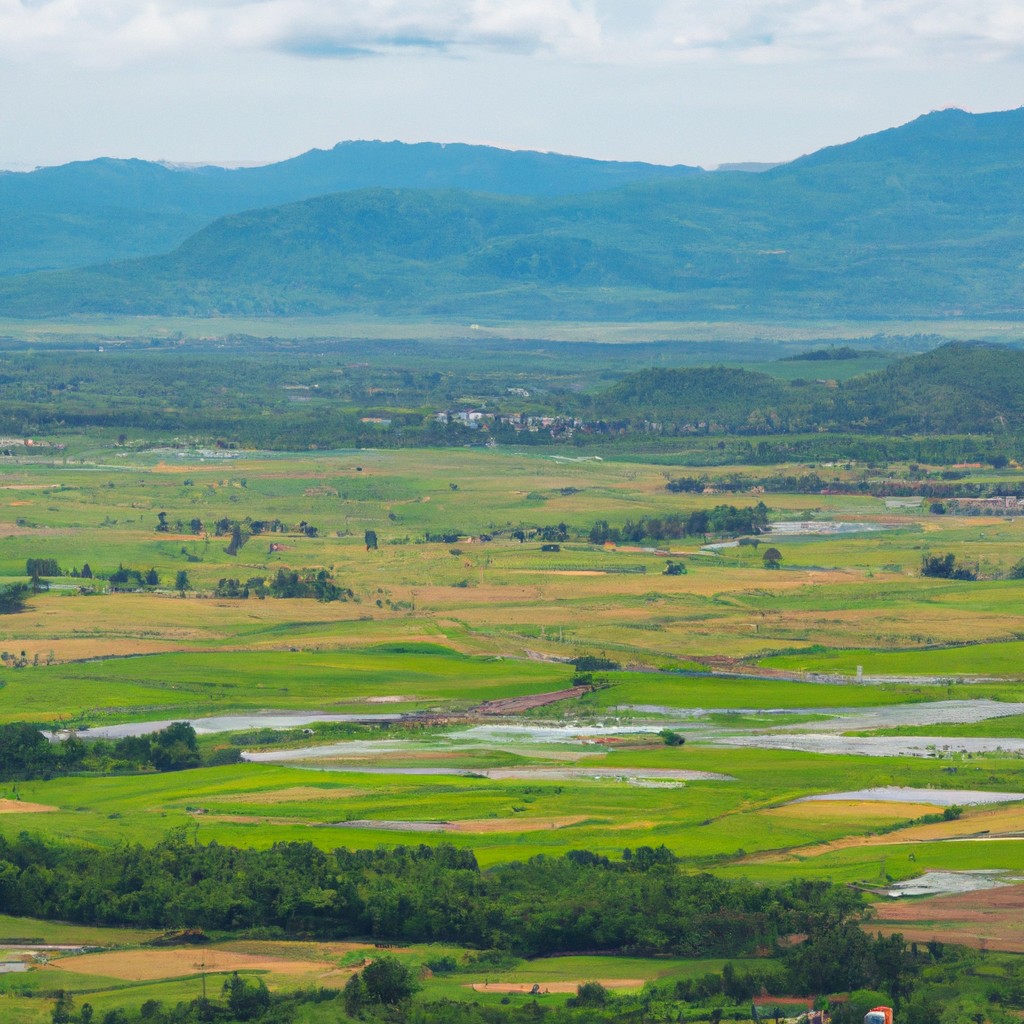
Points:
[(317, 584), (36, 567), (25, 753), (240, 1000), (642, 904), (888, 487), (239, 531), (550, 533), (123, 577), (193, 526), (722, 520), (945, 567)]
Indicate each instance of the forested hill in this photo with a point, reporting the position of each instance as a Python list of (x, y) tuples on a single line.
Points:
[(957, 388), (91, 211), (926, 220)]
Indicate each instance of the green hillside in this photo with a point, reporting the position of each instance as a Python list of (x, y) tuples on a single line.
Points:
[(953, 389), (92, 211), (919, 221)]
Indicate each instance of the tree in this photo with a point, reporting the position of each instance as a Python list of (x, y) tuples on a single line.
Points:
[(175, 748), (152, 578), (86, 573), (64, 1008), (1017, 572), (181, 581), (388, 980), (12, 598), (370, 539), (354, 995), (771, 558), (25, 752), (162, 526), (590, 993), (247, 998), (236, 540)]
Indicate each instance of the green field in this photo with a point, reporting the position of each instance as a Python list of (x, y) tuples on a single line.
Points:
[(437, 627)]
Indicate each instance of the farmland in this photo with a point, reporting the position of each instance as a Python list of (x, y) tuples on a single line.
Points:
[(363, 722)]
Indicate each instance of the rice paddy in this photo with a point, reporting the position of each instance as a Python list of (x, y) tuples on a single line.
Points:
[(380, 719)]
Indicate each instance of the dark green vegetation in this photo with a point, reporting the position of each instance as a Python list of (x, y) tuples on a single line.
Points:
[(943, 980), (920, 220), (293, 395), (82, 213), (638, 905), (722, 520), (953, 389), (25, 753)]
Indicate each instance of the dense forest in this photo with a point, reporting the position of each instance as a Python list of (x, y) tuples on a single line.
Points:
[(642, 903)]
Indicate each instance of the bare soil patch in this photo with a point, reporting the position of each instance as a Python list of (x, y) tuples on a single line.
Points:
[(154, 964), (24, 807), (303, 951), (516, 705), (249, 819), (294, 794), (477, 826), (992, 919), (561, 572), (855, 810), (484, 825), (553, 986)]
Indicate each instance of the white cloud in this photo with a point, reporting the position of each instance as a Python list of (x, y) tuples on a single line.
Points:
[(104, 32), (784, 30), (122, 31)]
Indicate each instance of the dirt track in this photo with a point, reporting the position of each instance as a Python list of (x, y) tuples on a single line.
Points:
[(516, 705)]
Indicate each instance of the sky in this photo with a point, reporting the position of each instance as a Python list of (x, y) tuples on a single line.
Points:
[(700, 82)]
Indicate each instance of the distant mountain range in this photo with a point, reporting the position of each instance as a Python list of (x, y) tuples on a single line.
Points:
[(97, 210), (925, 220)]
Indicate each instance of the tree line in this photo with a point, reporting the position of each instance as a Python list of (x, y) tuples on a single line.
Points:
[(723, 520), (25, 753), (644, 904)]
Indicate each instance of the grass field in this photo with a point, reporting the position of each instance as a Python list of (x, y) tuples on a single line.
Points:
[(361, 326), (440, 627)]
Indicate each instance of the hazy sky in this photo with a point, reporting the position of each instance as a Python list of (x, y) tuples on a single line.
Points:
[(671, 81)]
